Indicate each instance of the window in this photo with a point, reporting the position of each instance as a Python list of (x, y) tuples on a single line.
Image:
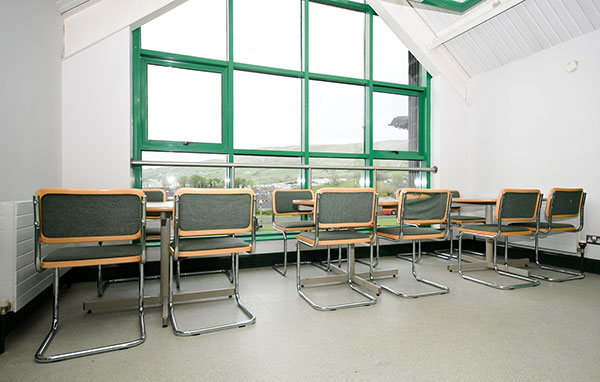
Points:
[(280, 83)]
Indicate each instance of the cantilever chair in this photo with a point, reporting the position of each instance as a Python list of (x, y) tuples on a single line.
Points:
[(283, 205), (152, 233), (66, 216), (563, 203), (512, 205), (417, 210), (338, 212), (205, 224)]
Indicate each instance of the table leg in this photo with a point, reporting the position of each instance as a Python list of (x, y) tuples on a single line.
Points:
[(165, 237), (489, 243)]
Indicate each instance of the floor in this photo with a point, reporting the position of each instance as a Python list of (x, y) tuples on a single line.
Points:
[(474, 333)]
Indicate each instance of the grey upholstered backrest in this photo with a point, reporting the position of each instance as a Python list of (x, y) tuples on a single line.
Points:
[(283, 201), (422, 206), (155, 195), (76, 215), (345, 207), (518, 205), (564, 202), (455, 195), (214, 211)]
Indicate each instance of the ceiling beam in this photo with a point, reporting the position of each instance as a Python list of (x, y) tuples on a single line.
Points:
[(473, 19), (416, 35), (87, 25)]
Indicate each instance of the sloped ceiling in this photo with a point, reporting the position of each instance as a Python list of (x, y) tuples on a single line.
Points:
[(525, 29)]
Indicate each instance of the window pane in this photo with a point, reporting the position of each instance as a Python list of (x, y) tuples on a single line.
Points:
[(171, 178), (267, 112), (264, 181), (336, 115), (184, 105), (267, 32), (395, 122), (390, 56), (338, 178), (336, 41), (194, 28)]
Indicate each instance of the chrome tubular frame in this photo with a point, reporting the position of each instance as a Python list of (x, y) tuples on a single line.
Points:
[(210, 294), (572, 275), (442, 289), (348, 277), (529, 282), (39, 355)]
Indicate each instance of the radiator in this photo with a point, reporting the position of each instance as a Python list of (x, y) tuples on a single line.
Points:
[(19, 282)]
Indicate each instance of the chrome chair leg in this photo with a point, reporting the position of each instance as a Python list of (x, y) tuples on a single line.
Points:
[(442, 289), (529, 282), (41, 358), (349, 278), (572, 275), (211, 294), (283, 271)]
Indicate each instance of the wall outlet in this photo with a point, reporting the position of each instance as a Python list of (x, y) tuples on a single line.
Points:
[(592, 239)]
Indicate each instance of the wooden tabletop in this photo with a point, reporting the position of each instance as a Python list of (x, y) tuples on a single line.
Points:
[(474, 200), (159, 206)]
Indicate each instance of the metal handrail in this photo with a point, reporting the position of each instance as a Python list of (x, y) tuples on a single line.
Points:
[(433, 169)]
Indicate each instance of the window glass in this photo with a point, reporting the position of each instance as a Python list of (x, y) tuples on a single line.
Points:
[(184, 105), (336, 41), (267, 112), (336, 117), (265, 180), (390, 56), (170, 178), (395, 122), (267, 32), (194, 28), (338, 178)]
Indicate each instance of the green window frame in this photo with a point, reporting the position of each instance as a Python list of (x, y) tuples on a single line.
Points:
[(141, 58)]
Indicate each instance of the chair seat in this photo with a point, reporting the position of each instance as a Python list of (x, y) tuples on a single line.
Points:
[(335, 237), (410, 232), (82, 256), (463, 218), (491, 229), (562, 227), (294, 225), (212, 246)]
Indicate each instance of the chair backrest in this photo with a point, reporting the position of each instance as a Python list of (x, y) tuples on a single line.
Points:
[(423, 206), (517, 205), (155, 195), (68, 215), (213, 211), (345, 207), (564, 203), (455, 195), (283, 201)]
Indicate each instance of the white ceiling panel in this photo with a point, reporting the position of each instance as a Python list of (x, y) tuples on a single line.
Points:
[(66, 5), (524, 29)]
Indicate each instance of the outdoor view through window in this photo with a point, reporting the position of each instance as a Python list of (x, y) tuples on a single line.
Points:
[(276, 82)]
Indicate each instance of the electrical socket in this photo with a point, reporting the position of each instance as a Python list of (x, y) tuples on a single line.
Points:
[(592, 239)]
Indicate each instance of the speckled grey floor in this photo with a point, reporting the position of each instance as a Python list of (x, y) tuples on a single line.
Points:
[(474, 333)]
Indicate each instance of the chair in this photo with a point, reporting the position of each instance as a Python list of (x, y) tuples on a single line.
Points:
[(512, 205), (417, 210), (338, 212), (458, 220), (68, 216), (563, 203), (152, 233), (283, 206), (205, 224)]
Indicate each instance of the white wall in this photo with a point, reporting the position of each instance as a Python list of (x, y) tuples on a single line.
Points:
[(96, 113), (530, 124), (30, 94)]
